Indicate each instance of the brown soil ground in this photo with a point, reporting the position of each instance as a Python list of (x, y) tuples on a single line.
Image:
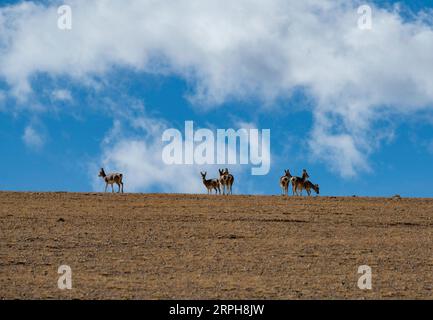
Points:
[(137, 246)]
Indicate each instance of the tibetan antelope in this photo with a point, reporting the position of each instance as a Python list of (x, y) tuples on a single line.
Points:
[(298, 182), (231, 180), (226, 180), (112, 178), (210, 184), (308, 185), (285, 182)]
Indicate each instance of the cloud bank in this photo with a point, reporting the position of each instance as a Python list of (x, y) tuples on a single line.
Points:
[(242, 50), (134, 147)]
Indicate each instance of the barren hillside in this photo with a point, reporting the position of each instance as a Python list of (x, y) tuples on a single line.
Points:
[(195, 246)]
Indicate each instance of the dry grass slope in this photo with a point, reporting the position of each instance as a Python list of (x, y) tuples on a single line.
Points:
[(194, 246)]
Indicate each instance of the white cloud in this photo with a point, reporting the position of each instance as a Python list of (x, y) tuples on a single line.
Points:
[(62, 95), (2, 98), (141, 164), (32, 138), (241, 49), (134, 147)]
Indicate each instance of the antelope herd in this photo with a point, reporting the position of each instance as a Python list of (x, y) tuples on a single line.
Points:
[(298, 183), (226, 180)]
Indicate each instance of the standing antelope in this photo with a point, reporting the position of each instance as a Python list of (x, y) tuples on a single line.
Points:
[(211, 184), (308, 185), (230, 180), (298, 182), (112, 178), (285, 181), (226, 180)]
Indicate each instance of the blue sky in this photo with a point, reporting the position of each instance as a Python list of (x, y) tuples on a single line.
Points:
[(354, 109)]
